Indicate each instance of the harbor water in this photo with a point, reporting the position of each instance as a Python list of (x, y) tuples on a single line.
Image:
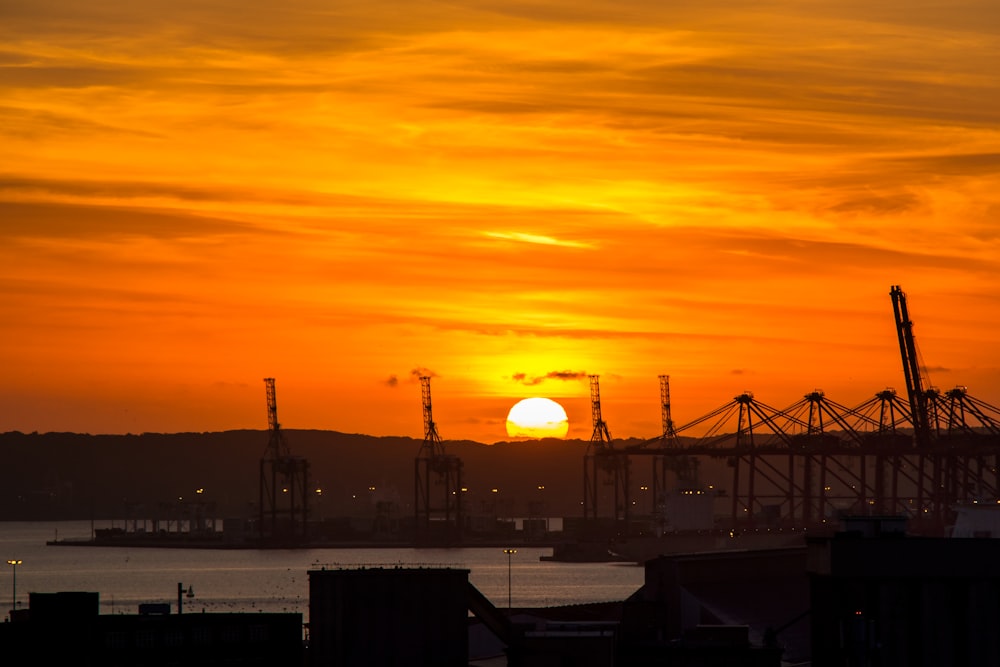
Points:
[(274, 580)]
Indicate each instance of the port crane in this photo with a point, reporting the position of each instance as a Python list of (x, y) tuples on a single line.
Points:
[(284, 484), (437, 522), (796, 467), (598, 457)]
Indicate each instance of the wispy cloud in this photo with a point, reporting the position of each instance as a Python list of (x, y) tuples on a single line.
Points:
[(564, 376), (539, 239)]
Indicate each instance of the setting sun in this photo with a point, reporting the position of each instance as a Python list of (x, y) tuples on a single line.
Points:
[(537, 418)]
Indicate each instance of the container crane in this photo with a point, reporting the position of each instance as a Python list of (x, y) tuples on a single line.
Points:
[(601, 454), (433, 464), (284, 484)]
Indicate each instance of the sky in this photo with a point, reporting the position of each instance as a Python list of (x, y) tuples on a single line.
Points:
[(506, 195)]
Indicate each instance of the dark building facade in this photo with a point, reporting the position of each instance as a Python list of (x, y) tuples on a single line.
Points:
[(894, 600), (388, 617), (65, 628)]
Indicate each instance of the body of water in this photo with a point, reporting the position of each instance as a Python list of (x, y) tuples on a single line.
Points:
[(272, 580)]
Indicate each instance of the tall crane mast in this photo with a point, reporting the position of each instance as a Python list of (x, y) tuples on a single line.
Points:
[(669, 432), (601, 436), (276, 445), (911, 368), (432, 445)]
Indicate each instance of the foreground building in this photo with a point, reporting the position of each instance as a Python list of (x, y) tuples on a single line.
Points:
[(880, 597), (868, 596), (66, 628)]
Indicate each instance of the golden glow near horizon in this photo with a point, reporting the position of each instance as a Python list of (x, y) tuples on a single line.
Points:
[(537, 418), (508, 195)]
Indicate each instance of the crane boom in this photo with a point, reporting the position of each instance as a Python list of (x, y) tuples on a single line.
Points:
[(911, 368)]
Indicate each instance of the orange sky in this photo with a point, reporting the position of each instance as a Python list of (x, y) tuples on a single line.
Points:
[(194, 196)]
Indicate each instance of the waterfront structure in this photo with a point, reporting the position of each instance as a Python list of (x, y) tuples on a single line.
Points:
[(66, 628), (880, 597), (803, 465), (371, 617), (419, 617)]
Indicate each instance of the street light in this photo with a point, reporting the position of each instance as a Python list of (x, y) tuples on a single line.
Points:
[(180, 596), (13, 574), (509, 552)]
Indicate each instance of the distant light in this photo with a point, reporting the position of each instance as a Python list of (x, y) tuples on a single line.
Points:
[(371, 488), (498, 491), (285, 490), (464, 489), (319, 492), (541, 487), (200, 491)]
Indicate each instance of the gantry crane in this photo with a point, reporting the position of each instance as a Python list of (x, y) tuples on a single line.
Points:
[(433, 464), (600, 455), (284, 484), (800, 466)]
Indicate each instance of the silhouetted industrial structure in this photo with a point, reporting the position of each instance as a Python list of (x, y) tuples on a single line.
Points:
[(684, 468), (881, 597), (364, 617), (437, 522), (66, 628), (382, 617), (601, 456), (802, 465), (284, 484)]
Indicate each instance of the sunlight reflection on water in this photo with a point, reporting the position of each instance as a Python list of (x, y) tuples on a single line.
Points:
[(272, 580)]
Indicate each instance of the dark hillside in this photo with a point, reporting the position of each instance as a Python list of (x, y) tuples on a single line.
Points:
[(67, 475), (78, 476)]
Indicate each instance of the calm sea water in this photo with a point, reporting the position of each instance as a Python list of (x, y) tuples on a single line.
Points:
[(249, 580)]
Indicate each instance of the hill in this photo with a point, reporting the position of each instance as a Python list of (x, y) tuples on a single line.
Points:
[(80, 476)]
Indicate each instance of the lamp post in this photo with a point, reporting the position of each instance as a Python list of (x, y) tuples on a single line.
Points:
[(13, 596), (509, 552), (180, 596)]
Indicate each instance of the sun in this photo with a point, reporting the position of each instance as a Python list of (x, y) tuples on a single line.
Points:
[(537, 418)]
